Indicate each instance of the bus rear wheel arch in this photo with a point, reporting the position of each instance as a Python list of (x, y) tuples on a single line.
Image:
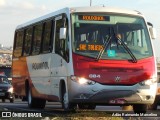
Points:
[(34, 102)]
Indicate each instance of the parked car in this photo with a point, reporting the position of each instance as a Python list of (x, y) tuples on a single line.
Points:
[(6, 89)]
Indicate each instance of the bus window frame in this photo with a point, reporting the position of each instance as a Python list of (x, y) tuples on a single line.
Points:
[(51, 45), (24, 47), (51, 37), (33, 45), (15, 42), (65, 23)]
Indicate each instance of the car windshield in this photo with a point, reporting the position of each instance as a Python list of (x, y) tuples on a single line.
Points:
[(4, 80), (127, 37)]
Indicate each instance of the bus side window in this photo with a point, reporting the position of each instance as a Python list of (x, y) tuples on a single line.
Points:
[(28, 41), (37, 39), (61, 46), (47, 37), (18, 43)]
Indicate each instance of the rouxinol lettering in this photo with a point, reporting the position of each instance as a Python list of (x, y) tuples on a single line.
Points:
[(38, 66)]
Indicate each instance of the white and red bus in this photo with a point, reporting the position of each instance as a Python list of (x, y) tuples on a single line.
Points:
[(84, 57)]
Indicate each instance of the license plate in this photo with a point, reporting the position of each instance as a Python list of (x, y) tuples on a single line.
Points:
[(117, 101), (121, 101)]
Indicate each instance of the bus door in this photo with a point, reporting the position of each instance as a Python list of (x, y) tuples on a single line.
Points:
[(60, 56)]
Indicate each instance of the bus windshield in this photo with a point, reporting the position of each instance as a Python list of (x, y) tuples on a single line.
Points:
[(91, 32)]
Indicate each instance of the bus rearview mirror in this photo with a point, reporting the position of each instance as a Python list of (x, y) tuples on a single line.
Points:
[(152, 32), (63, 33)]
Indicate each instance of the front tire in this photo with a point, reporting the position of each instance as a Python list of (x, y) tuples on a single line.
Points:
[(140, 108), (66, 105)]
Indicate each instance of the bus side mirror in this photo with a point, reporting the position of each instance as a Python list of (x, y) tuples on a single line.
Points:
[(152, 32), (63, 32)]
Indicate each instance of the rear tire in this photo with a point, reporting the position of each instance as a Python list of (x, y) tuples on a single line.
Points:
[(3, 100), (24, 98), (11, 100), (35, 102), (140, 108)]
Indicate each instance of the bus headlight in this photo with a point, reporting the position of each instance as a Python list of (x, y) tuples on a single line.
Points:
[(148, 82), (82, 80), (10, 90)]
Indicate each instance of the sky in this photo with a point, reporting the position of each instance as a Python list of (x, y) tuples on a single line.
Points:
[(15, 12)]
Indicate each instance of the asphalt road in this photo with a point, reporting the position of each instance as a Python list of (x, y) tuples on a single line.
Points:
[(52, 109)]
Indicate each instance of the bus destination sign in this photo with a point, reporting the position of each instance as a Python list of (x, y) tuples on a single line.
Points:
[(94, 18)]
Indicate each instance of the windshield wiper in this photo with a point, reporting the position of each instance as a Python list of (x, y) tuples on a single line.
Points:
[(134, 59), (119, 41), (104, 47)]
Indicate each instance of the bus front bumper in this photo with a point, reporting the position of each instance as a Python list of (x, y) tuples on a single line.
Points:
[(113, 95)]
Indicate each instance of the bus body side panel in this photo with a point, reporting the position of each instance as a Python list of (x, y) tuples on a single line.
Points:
[(19, 75), (46, 72), (59, 72), (39, 71), (43, 71)]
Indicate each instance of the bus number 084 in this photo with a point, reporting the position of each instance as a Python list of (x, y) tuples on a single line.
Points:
[(94, 76)]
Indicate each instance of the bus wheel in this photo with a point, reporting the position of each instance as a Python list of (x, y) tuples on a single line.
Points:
[(3, 100), (67, 106), (30, 99), (35, 102), (154, 105), (12, 100), (140, 108), (91, 106)]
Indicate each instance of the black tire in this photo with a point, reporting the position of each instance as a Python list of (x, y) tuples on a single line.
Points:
[(24, 98), (154, 105), (11, 100), (91, 107), (66, 105), (86, 106), (140, 108), (16, 96), (35, 102), (82, 106), (3, 100)]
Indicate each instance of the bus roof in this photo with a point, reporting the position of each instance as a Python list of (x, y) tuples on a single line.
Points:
[(94, 9), (104, 9)]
